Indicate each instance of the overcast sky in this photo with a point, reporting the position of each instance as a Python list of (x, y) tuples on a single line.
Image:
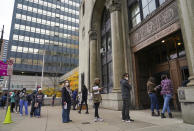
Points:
[(6, 11)]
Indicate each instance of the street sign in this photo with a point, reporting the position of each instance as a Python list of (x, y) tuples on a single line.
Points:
[(3, 69)]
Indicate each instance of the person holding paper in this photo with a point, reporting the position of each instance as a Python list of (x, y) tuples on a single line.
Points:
[(96, 98)]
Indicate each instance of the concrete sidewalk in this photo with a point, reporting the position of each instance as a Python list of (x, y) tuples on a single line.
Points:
[(51, 121)]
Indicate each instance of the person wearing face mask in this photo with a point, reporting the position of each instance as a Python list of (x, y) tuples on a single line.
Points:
[(66, 102), (23, 102), (96, 89), (125, 88)]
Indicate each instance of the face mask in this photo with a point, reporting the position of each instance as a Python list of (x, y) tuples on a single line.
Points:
[(126, 78), (66, 84)]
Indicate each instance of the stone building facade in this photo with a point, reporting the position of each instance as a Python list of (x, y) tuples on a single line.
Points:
[(143, 38)]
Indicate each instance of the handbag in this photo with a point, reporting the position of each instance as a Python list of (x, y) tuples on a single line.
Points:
[(36, 104)]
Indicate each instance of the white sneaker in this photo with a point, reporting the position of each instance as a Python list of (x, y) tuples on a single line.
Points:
[(95, 119), (100, 119), (128, 121)]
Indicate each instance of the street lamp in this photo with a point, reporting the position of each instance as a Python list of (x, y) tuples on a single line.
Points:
[(42, 68)]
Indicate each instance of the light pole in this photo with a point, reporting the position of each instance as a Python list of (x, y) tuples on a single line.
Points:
[(42, 68)]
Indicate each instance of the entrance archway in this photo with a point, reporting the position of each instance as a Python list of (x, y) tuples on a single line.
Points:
[(166, 56)]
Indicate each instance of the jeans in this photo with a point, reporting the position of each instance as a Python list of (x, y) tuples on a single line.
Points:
[(38, 110), (84, 101), (154, 102), (65, 115), (25, 104), (96, 105), (167, 98), (125, 110)]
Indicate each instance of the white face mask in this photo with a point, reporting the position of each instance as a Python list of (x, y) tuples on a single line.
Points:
[(126, 78), (66, 84)]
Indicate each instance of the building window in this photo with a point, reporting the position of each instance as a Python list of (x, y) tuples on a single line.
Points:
[(106, 52), (161, 1), (134, 15), (83, 9), (148, 6)]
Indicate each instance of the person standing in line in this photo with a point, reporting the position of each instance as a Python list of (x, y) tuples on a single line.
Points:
[(17, 100), (167, 92), (12, 100), (125, 88), (66, 102), (23, 102), (4, 100), (151, 89), (74, 96), (84, 98), (32, 111), (97, 98), (39, 98), (53, 99)]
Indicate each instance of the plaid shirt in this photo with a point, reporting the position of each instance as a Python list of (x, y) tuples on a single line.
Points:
[(166, 87)]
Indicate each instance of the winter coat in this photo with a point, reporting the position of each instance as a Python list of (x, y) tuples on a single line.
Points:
[(23, 96), (39, 98), (84, 93), (66, 97), (96, 94), (12, 97), (125, 88), (150, 87)]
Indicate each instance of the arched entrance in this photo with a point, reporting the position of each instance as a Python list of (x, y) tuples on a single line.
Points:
[(106, 51)]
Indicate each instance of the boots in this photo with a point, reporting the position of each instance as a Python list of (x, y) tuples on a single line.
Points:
[(153, 114), (170, 115), (158, 113), (162, 115)]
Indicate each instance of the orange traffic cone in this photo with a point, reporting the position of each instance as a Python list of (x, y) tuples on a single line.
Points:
[(8, 117)]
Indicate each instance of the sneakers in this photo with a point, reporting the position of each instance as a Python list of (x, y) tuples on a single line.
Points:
[(127, 121), (95, 119), (100, 119)]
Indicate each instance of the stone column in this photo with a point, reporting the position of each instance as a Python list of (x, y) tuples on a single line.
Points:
[(186, 97), (93, 56), (186, 14), (114, 6)]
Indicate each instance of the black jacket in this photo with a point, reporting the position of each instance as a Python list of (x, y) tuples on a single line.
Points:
[(39, 97), (125, 88), (84, 93), (66, 97)]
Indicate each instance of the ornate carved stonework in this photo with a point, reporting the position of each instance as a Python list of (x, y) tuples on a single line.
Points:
[(93, 35), (113, 5), (155, 25)]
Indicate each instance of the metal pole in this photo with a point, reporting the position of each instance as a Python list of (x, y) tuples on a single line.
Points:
[(9, 81), (42, 69)]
